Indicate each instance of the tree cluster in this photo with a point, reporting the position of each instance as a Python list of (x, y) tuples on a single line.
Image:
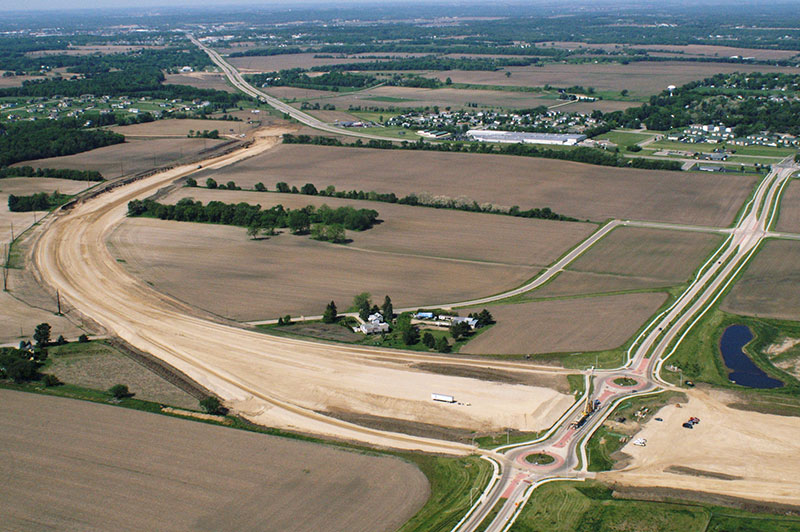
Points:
[(57, 173), (41, 201)]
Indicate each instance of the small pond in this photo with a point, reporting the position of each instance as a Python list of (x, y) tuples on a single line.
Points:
[(743, 371)]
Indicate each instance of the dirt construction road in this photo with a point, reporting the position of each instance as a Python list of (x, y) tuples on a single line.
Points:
[(276, 381)]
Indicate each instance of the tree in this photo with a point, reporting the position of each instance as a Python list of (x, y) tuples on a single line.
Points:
[(282, 187), (253, 229), (230, 185), (299, 221), (61, 340), (17, 365), (260, 187), (210, 404), (119, 391), (51, 380), (287, 320), (191, 182), (41, 334), (442, 345), (360, 299), (624, 92), (411, 336), (459, 330), (428, 340), (329, 316), (484, 318), (309, 189), (210, 183), (387, 310), (364, 310), (82, 339), (448, 81)]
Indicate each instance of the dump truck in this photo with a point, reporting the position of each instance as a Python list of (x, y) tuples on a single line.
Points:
[(443, 398)]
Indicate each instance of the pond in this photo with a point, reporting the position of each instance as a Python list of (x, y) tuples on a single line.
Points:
[(743, 371)]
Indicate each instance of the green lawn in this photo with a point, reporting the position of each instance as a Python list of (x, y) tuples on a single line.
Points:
[(590, 507), (624, 138), (762, 151)]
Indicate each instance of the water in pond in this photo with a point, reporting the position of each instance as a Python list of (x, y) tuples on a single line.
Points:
[(743, 371)]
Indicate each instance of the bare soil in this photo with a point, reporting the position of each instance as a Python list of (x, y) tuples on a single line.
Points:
[(789, 219), (84, 466), (770, 284), (562, 326), (220, 269), (201, 80), (574, 189), (428, 232), (640, 78), (182, 127), (99, 366), (569, 283), (554, 381), (750, 447), (274, 63), (129, 157)]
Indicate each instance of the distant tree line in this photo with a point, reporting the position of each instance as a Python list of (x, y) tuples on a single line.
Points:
[(23, 141), (57, 173), (41, 201), (299, 221), (297, 77), (580, 154), (430, 62)]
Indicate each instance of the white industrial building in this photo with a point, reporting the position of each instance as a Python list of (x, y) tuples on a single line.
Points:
[(513, 137)]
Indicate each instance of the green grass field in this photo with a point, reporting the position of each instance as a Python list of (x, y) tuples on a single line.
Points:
[(590, 507), (624, 138), (760, 151)]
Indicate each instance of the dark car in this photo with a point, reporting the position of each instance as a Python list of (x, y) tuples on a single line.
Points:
[(688, 425)]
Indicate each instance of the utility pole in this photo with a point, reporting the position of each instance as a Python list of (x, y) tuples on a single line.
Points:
[(58, 302), (5, 269), (12, 231)]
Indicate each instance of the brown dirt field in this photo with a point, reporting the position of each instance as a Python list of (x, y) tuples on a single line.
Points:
[(181, 127), (99, 366), (84, 466), (18, 320), (334, 116), (220, 269), (770, 285), (589, 324), (17, 81), (431, 233), (574, 189), (201, 80), (706, 50), (658, 254), (288, 93), (569, 283), (94, 49), (22, 186), (750, 446), (281, 62), (458, 98), (789, 219), (640, 78), (129, 157)]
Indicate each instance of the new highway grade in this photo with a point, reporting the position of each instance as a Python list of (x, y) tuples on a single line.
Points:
[(565, 443)]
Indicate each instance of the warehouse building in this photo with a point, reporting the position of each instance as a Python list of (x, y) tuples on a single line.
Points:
[(513, 137)]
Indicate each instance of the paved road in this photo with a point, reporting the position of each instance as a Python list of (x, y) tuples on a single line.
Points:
[(238, 81), (566, 442)]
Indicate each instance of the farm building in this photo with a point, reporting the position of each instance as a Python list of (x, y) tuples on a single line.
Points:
[(512, 137)]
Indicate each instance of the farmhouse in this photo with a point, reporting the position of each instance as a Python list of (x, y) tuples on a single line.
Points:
[(512, 137), (373, 327)]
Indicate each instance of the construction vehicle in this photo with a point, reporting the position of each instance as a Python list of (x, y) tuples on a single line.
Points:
[(589, 408)]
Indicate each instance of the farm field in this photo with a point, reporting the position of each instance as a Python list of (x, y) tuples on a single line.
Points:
[(563, 326), (574, 189), (18, 320), (107, 467), (789, 219), (274, 63), (770, 284), (220, 269), (624, 138), (405, 97), (181, 127), (200, 80), (129, 157), (747, 151), (722, 444), (698, 50), (633, 258), (642, 79), (99, 366), (24, 186), (430, 233)]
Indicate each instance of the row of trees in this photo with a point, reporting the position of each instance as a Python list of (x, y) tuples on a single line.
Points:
[(299, 221), (297, 77), (436, 202), (57, 173), (41, 201)]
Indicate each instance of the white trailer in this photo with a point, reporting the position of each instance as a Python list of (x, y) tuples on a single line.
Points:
[(442, 398)]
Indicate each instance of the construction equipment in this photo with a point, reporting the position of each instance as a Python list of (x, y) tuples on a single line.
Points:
[(641, 442), (589, 408)]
